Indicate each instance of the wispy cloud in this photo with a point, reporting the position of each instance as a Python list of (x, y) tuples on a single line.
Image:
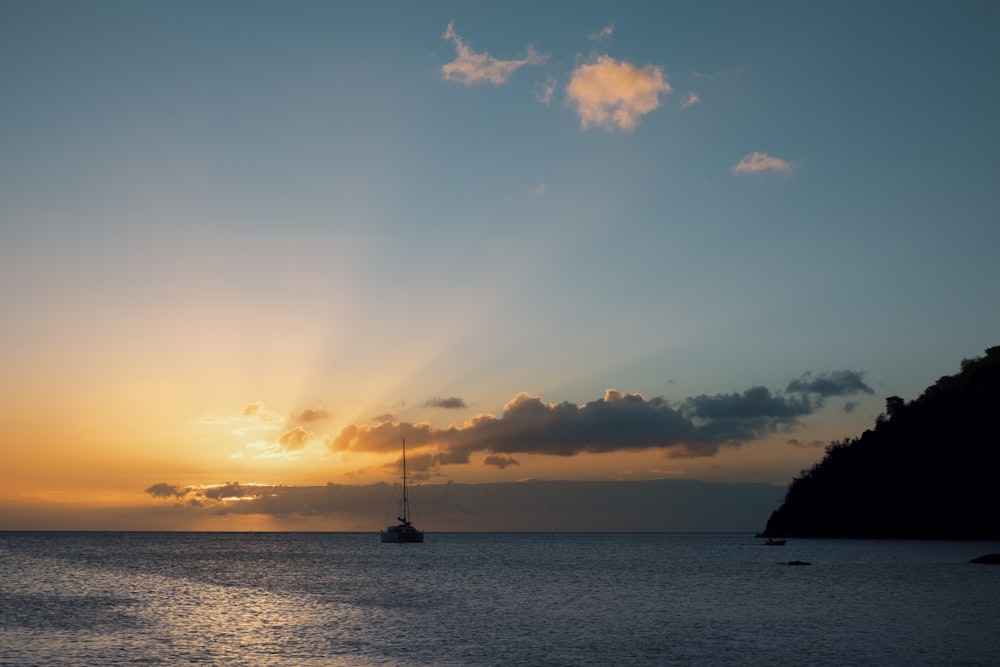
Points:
[(835, 383), (290, 446), (259, 422), (690, 101), (603, 34), (803, 444), (470, 67), (450, 403), (755, 163), (253, 417), (309, 415), (614, 94), (545, 91), (730, 75), (541, 189), (258, 410)]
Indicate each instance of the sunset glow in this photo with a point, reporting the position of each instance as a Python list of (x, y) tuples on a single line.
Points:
[(241, 260)]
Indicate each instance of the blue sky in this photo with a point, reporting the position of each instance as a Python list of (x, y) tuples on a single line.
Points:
[(357, 208)]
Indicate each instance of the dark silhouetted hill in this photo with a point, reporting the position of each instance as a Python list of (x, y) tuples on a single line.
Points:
[(928, 470)]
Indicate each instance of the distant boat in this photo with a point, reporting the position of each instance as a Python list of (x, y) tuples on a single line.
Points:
[(404, 531), (774, 543)]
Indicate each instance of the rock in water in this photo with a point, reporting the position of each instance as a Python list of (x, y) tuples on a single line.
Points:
[(988, 559)]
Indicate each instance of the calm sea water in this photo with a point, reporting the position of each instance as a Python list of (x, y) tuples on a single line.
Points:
[(492, 599)]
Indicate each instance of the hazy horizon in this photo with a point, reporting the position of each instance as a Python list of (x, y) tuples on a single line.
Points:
[(531, 506)]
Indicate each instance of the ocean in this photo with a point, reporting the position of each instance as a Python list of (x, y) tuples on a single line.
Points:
[(492, 599)]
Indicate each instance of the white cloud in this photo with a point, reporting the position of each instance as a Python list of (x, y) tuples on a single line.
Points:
[(755, 163), (470, 67), (614, 94)]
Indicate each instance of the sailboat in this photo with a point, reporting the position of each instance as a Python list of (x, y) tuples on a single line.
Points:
[(404, 531)]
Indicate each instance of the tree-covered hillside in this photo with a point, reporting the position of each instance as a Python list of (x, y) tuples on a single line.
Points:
[(929, 468)]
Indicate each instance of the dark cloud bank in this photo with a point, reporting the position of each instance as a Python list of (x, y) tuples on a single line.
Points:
[(663, 505), (697, 426)]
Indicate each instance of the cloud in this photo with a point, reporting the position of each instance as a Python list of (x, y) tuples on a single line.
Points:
[(163, 490), (259, 411), (613, 94), (734, 418), (451, 403), (545, 91), (541, 189), (834, 383), (500, 461), (470, 67), (729, 75), (295, 439), (308, 416), (754, 403), (603, 34), (198, 495), (253, 417), (755, 163), (619, 421), (528, 425), (802, 444), (690, 101), (229, 491)]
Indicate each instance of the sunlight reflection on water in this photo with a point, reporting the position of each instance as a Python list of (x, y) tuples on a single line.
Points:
[(133, 617)]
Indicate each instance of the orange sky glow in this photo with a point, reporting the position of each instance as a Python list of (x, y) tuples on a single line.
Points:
[(619, 244)]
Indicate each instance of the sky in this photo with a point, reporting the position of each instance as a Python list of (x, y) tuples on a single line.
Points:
[(248, 247)]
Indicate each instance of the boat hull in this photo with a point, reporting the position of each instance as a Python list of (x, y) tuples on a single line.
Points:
[(393, 534)]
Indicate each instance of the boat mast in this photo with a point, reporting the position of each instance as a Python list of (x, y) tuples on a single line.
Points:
[(406, 501)]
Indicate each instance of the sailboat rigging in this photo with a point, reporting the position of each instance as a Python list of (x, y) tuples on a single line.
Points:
[(404, 531)]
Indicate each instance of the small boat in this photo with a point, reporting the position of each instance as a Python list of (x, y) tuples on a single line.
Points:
[(404, 531), (774, 543)]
